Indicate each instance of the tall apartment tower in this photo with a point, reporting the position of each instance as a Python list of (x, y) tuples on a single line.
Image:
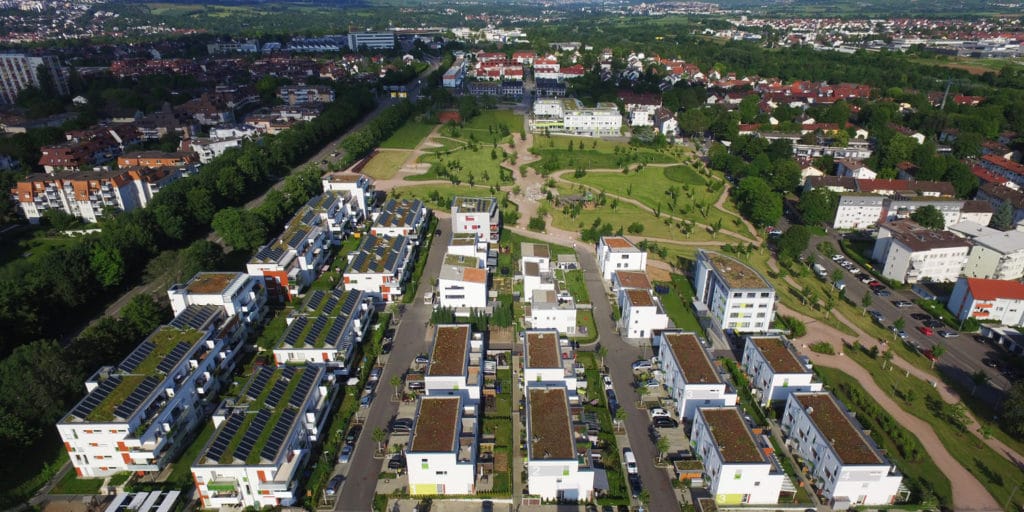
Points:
[(19, 72)]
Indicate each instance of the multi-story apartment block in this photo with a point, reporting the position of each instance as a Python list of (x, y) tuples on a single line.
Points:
[(442, 452), (690, 376), (339, 213), (738, 468), (558, 468), (478, 215), (139, 415), (303, 94), (615, 253), (775, 370), (454, 367), (371, 40), (629, 279), (998, 195), (547, 361), (358, 186), (1012, 171), (380, 267), (910, 253), (402, 217), (642, 315), (470, 245), (736, 297), (292, 261), (570, 116), (19, 72), (536, 278), (989, 300), (552, 310), (845, 464), (462, 282), (326, 329), (241, 295), (995, 254), (263, 439), (187, 160)]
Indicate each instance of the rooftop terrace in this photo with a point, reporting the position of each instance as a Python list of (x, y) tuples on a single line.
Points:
[(474, 204), (208, 283)]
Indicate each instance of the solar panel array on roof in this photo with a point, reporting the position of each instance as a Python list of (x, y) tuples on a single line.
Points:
[(269, 253), (332, 302), (223, 439), (276, 393), (351, 301), (252, 434), (302, 388), (278, 435), (294, 330), (137, 356), (174, 357), (136, 398), (318, 326), (195, 317), (309, 217), (297, 238), (315, 299), (335, 332), (258, 382), (95, 398)]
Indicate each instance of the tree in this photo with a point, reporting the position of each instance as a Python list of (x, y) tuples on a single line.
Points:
[(143, 314), (396, 382), (758, 202), (241, 229), (107, 265), (662, 445), (61, 220), (641, 392), (379, 435), (865, 302), (887, 358), (967, 144), (793, 242), (620, 417), (929, 217), (1012, 416), (1002, 218), (818, 206), (937, 351), (635, 228), (602, 352), (536, 224)]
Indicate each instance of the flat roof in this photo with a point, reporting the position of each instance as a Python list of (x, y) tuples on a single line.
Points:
[(618, 243), (848, 441), (550, 428), (734, 440), (473, 204), (777, 352), (436, 424), (640, 298), (207, 283), (692, 358), (451, 346), (321, 320), (532, 250), (376, 254), (918, 238), (542, 350), (633, 279), (735, 274), (400, 213)]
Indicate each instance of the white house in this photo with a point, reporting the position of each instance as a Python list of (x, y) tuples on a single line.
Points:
[(629, 279), (988, 299), (547, 360), (995, 254), (735, 296), (844, 462), (550, 310), (441, 456), (910, 253), (293, 260), (536, 278), (339, 212), (380, 267), (462, 282), (536, 253), (454, 367), (557, 468), (737, 470), (479, 215), (358, 186), (858, 211), (406, 218), (616, 253), (775, 370), (326, 329), (642, 314), (690, 376), (251, 461), (469, 245), (854, 169), (239, 294)]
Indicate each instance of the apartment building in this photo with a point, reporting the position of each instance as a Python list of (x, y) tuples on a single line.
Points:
[(454, 367), (549, 309), (738, 468), (690, 376), (401, 218), (240, 294), (326, 329), (442, 452), (479, 215), (139, 415), (293, 260), (358, 186), (998, 195), (775, 370), (303, 94), (186, 160), (910, 253), (854, 169), (263, 439), (339, 213), (1012, 171), (734, 296), (988, 300), (558, 468), (19, 72), (535, 253), (568, 115), (994, 254), (629, 279), (536, 278), (470, 245), (859, 211), (371, 40), (615, 253), (462, 283), (845, 464), (380, 267), (548, 361), (642, 315)]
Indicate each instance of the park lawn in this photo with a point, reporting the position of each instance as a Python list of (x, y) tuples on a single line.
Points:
[(423, 192), (445, 143), (559, 157), (677, 304), (385, 164), (73, 484), (32, 243), (494, 118), (485, 170), (409, 135)]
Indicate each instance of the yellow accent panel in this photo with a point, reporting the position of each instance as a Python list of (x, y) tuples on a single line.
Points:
[(423, 489), (729, 499)]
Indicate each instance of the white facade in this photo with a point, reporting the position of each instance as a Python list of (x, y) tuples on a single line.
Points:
[(557, 469), (380, 267), (208, 149), (239, 294), (774, 369), (604, 119), (909, 253), (325, 329), (359, 186), (441, 457), (988, 300), (854, 170), (371, 40), (469, 245), (690, 377), (845, 463), (454, 367), (735, 468), (995, 254), (478, 215), (548, 360), (642, 314), (550, 310), (858, 211), (736, 296), (536, 279), (292, 261), (616, 253), (462, 282)]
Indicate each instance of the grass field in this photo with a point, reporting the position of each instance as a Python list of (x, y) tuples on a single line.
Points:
[(385, 164), (677, 304), (408, 136), (492, 119), (72, 484), (555, 154), (30, 244), (484, 169)]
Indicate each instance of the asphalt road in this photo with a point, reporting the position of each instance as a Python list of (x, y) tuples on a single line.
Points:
[(409, 341)]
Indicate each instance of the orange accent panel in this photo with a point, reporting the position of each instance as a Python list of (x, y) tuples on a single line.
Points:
[(127, 458), (67, 446), (78, 471), (121, 447), (262, 476)]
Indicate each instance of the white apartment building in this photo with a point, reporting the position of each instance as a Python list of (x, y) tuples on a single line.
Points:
[(735, 296), (845, 463), (478, 215), (19, 71), (380, 267), (858, 211), (359, 187), (242, 131), (441, 457), (462, 283), (469, 245), (548, 361), (208, 149), (570, 116), (292, 261), (737, 470), (251, 461), (371, 40), (616, 253), (402, 217), (303, 94), (454, 367), (629, 279), (775, 370), (557, 467), (536, 279), (910, 253), (642, 315), (339, 212), (690, 377), (326, 329), (536, 253), (138, 415), (854, 169), (988, 299), (550, 310), (239, 294), (995, 254)]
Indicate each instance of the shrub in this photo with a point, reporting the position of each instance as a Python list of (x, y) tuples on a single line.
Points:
[(823, 347)]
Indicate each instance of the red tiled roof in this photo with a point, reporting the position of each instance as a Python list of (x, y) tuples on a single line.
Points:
[(1003, 163), (992, 289)]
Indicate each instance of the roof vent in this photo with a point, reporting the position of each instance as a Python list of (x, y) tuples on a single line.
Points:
[(809, 410)]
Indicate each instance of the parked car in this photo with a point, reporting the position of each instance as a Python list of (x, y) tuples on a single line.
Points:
[(375, 374), (401, 426), (370, 384), (365, 400), (902, 334), (630, 460), (920, 316), (837, 257), (658, 411), (649, 383), (397, 462), (902, 303), (949, 334), (934, 323), (422, 359), (877, 316), (664, 422), (346, 454), (927, 331), (635, 487), (882, 292), (874, 284), (607, 382), (385, 348), (353, 434), (864, 278), (643, 364), (333, 485)]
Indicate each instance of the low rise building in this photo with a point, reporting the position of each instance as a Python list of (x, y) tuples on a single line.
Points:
[(549, 309), (380, 267), (732, 295), (994, 254), (642, 315), (442, 451), (846, 465), (470, 245), (557, 467), (325, 329), (775, 370), (629, 280), (479, 215), (402, 217), (239, 294), (303, 94), (910, 253), (293, 260), (568, 115), (462, 283), (615, 253), (988, 300), (454, 367), (738, 469), (998, 195), (547, 361), (536, 279), (690, 377), (358, 186)]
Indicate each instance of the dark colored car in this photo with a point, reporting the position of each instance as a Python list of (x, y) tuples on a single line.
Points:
[(397, 462), (353, 434), (933, 323), (634, 485), (664, 422), (333, 485), (920, 316)]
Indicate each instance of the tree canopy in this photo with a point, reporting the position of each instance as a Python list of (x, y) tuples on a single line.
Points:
[(929, 217)]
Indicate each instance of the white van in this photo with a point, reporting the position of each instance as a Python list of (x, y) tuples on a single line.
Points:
[(630, 459)]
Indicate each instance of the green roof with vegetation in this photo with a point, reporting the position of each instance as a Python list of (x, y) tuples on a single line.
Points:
[(303, 331)]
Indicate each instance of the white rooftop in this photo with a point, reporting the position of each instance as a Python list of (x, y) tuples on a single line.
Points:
[(1004, 242)]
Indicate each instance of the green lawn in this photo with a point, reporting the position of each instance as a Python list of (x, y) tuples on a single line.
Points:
[(555, 155), (385, 164), (181, 474), (677, 304), (467, 165), (575, 285), (493, 118), (72, 484), (623, 216), (30, 244), (408, 136)]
